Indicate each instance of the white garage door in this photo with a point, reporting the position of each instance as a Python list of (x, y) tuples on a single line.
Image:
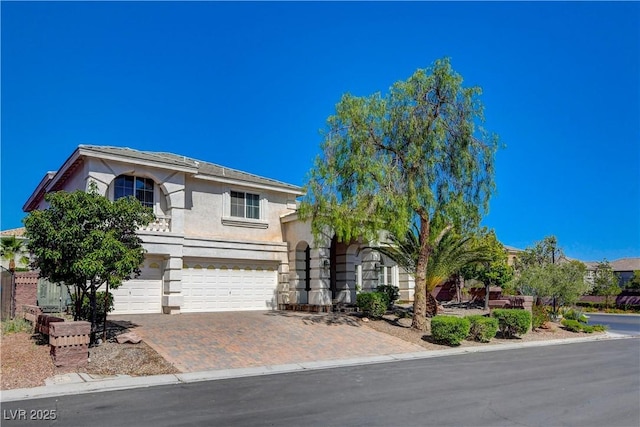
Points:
[(142, 294), (228, 286)]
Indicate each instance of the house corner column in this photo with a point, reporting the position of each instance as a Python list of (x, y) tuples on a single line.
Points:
[(406, 283), (294, 277), (176, 203), (172, 298), (370, 271), (345, 278), (320, 293), (283, 285)]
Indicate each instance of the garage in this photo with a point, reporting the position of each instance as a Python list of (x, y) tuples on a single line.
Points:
[(228, 286), (142, 294)]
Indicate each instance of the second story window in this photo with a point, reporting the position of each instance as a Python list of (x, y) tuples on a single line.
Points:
[(140, 188), (245, 205)]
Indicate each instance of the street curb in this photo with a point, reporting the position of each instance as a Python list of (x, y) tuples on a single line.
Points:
[(126, 382)]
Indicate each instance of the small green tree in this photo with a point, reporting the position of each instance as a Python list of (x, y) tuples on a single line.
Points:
[(544, 272), (606, 282), (634, 283), (541, 253), (494, 270), (13, 250), (84, 241), (415, 155)]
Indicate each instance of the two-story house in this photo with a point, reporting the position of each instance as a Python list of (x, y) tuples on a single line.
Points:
[(223, 239)]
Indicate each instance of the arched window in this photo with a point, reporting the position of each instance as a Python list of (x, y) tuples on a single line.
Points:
[(140, 188)]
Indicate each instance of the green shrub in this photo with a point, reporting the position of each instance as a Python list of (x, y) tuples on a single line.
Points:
[(450, 330), (482, 328), (597, 306), (587, 328), (372, 304), (577, 326), (85, 311), (16, 325), (539, 316), (572, 325), (575, 314), (392, 293), (512, 322), (599, 328)]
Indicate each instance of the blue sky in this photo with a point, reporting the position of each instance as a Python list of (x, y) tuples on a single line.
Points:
[(249, 86)]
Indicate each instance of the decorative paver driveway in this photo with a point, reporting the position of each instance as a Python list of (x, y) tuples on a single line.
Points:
[(207, 341)]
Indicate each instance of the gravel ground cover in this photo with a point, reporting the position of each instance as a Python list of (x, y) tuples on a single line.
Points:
[(25, 361)]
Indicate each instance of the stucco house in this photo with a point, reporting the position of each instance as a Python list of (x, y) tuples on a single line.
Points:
[(223, 239), (624, 268), (18, 234)]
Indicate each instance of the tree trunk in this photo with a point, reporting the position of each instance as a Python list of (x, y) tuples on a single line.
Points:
[(420, 295), (432, 305), (79, 297), (104, 322), (487, 292), (94, 323)]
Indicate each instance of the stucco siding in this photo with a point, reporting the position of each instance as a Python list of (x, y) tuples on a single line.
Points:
[(207, 213)]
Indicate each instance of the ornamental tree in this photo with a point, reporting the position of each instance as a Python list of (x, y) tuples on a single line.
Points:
[(544, 272), (84, 240), (416, 155), (495, 269), (606, 282)]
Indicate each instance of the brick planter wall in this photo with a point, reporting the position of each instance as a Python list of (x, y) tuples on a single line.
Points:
[(70, 343), (26, 290), (31, 313), (43, 324)]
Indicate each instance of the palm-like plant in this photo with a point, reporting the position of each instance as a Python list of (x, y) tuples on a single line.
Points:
[(12, 249), (449, 256)]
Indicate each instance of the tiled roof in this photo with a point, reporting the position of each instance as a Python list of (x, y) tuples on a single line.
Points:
[(202, 167), (18, 232), (626, 264)]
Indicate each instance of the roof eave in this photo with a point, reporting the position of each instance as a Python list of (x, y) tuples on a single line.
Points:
[(88, 152), (34, 200), (282, 189)]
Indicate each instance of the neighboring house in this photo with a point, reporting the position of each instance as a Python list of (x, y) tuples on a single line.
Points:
[(18, 233), (512, 254), (223, 239), (623, 268)]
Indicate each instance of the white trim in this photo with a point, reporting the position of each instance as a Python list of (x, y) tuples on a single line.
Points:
[(244, 222), (248, 184), (236, 221)]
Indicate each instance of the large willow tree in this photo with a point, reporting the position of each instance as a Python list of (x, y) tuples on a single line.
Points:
[(415, 155)]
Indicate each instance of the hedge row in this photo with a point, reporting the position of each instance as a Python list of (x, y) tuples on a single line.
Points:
[(453, 330)]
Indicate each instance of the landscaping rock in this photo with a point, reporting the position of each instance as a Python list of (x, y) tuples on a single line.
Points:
[(128, 337), (404, 322)]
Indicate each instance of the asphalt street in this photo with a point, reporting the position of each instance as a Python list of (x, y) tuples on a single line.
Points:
[(584, 384), (619, 323)]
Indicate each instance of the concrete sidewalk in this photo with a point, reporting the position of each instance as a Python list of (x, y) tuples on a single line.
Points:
[(71, 384)]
